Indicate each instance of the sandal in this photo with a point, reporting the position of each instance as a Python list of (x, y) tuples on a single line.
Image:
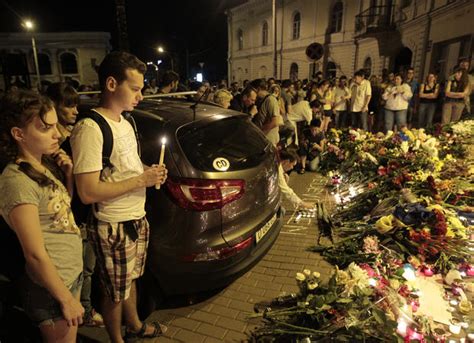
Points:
[(159, 330)]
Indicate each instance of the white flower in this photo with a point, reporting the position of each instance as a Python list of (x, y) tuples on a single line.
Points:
[(316, 275), (389, 134), (417, 144), (300, 277), (312, 285), (307, 272)]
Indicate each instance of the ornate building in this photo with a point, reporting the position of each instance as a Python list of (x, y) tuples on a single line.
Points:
[(61, 56), (353, 34)]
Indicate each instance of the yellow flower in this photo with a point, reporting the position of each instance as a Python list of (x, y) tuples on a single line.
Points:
[(384, 224)]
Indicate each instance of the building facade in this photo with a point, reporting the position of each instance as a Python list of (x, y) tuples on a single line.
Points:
[(61, 56), (351, 34)]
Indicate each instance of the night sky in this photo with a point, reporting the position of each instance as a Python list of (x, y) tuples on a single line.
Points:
[(199, 25)]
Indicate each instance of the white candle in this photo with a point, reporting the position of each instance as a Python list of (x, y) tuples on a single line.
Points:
[(163, 148), (162, 156)]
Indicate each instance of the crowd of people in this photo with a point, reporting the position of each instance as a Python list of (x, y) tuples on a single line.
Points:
[(52, 158)]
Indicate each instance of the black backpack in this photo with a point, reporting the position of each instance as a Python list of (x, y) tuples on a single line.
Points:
[(82, 213)]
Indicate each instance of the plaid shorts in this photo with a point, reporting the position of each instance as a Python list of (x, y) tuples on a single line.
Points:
[(120, 254)]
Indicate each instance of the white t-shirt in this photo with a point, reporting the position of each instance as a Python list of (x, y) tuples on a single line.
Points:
[(338, 93), (301, 111), (359, 92), (86, 143)]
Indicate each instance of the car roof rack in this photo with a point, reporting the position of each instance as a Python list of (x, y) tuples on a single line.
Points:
[(151, 96)]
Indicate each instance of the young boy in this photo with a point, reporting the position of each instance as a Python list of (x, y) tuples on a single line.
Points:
[(121, 232)]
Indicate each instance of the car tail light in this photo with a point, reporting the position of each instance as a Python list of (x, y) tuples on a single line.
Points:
[(204, 195), (218, 254)]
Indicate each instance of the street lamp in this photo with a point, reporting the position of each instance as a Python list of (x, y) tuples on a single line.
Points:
[(161, 50), (29, 26)]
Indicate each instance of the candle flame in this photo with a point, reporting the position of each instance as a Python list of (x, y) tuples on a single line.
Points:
[(163, 140)]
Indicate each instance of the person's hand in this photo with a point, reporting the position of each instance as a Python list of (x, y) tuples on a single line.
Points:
[(64, 162), (163, 172), (306, 205), (155, 175), (72, 311), (253, 111)]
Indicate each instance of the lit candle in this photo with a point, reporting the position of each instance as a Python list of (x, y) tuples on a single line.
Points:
[(454, 302), (163, 148), (162, 156), (427, 271)]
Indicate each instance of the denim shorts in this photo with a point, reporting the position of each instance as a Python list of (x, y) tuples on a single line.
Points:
[(40, 306)]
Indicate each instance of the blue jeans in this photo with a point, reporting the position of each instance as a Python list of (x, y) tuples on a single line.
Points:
[(426, 113), (39, 304), (399, 116), (88, 257), (359, 120)]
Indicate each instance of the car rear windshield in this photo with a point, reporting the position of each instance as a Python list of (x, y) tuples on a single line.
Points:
[(234, 139)]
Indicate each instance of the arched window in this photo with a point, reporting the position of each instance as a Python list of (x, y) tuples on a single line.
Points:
[(336, 18), (296, 25), (265, 33), (294, 72), (68, 63), (368, 67), (240, 38), (44, 64)]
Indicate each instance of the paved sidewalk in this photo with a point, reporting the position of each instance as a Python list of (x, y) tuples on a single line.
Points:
[(224, 317)]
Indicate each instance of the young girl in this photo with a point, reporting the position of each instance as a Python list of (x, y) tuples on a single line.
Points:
[(396, 98), (36, 205), (429, 92)]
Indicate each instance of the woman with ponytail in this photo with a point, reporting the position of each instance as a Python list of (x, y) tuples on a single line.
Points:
[(36, 186)]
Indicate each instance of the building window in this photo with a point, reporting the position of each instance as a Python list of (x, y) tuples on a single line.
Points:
[(294, 72), (296, 25), (68, 63), (265, 33), (44, 64), (368, 67), (240, 38), (336, 18)]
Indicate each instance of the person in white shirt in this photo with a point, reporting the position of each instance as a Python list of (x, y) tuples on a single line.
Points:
[(361, 92), (303, 112), (288, 161), (341, 95), (397, 98)]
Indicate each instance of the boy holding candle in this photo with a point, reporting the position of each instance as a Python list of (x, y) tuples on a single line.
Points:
[(120, 232)]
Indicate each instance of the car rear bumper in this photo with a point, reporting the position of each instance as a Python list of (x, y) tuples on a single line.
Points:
[(178, 277)]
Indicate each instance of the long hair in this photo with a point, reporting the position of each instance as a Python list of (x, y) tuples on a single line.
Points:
[(17, 109)]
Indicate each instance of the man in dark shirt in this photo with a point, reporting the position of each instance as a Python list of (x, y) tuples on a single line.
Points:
[(312, 143), (245, 102)]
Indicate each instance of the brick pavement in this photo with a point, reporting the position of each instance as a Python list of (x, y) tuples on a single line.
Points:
[(224, 316)]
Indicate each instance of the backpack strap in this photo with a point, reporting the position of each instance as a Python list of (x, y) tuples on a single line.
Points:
[(108, 139), (128, 116)]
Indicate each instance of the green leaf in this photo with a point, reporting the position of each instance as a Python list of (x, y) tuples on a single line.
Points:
[(344, 300), (379, 315)]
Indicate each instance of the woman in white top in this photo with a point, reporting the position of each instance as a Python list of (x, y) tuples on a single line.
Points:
[(397, 97)]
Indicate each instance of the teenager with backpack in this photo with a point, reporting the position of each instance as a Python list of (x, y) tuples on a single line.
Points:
[(120, 232), (66, 100), (36, 186)]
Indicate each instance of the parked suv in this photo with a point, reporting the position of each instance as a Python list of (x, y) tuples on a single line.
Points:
[(219, 211)]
